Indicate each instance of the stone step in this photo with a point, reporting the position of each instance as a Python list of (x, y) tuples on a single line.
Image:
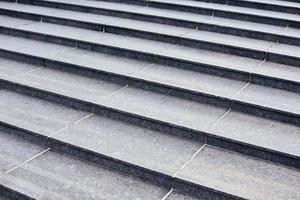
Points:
[(114, 23), (193, 120)]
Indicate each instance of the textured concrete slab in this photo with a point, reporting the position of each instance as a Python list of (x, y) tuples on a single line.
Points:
[(212, 58), (165, 108), (290, 50), (242, 176), (31, 46), (271, 97), (13, 22), (191, 80), (153, 150), (257, 131), (65, 83), (34, 114), (54, 176), (14, 151), (279, 71), (99, 37), (229, 40), (9, 68)]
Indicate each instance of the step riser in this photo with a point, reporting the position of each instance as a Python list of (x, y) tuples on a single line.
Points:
[(12, 194), (215, 70), (156, 125), (175, 22)]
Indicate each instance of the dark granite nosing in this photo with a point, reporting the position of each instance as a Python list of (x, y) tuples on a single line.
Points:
[(12, 194), (254, 151), (266, 112), (162, 20), (24, 134), (154, 177), (288, 85), (201, 192), (283, 59), (153, 124)]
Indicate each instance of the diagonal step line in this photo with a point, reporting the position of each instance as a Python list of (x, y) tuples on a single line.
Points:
[(188, 161), (23, 163), (168, 194), (28, 72), (71, 124)]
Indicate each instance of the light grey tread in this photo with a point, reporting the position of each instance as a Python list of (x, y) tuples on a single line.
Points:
[(184, 113), (270, 97), (56, 176), (42, 117), (237, 9), (258, 131), (242, 176), (121, 22), (15, 150)]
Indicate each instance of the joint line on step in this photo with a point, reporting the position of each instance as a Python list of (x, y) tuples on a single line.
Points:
[(23, 163), (168, 194)]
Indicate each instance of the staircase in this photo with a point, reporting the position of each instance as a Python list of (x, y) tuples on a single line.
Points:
[(150, 99)]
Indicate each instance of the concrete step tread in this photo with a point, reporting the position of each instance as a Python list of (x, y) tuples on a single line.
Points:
[(15, 150), (244, 177), (116, 21), (184, 113)]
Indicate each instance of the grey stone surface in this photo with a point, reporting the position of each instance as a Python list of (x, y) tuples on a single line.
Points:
[(260, 132), (31, 46), (212, 58), (191, 80), (13, 22), (65, 83), (9, 68), (75, 56), (14, 151), (34, 114), (275, 70), (54, 176), (99, 37), (286, 49), (242, 176), (177, 196), (229, 40), (165, 108), (271, 97), (150, 149)]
